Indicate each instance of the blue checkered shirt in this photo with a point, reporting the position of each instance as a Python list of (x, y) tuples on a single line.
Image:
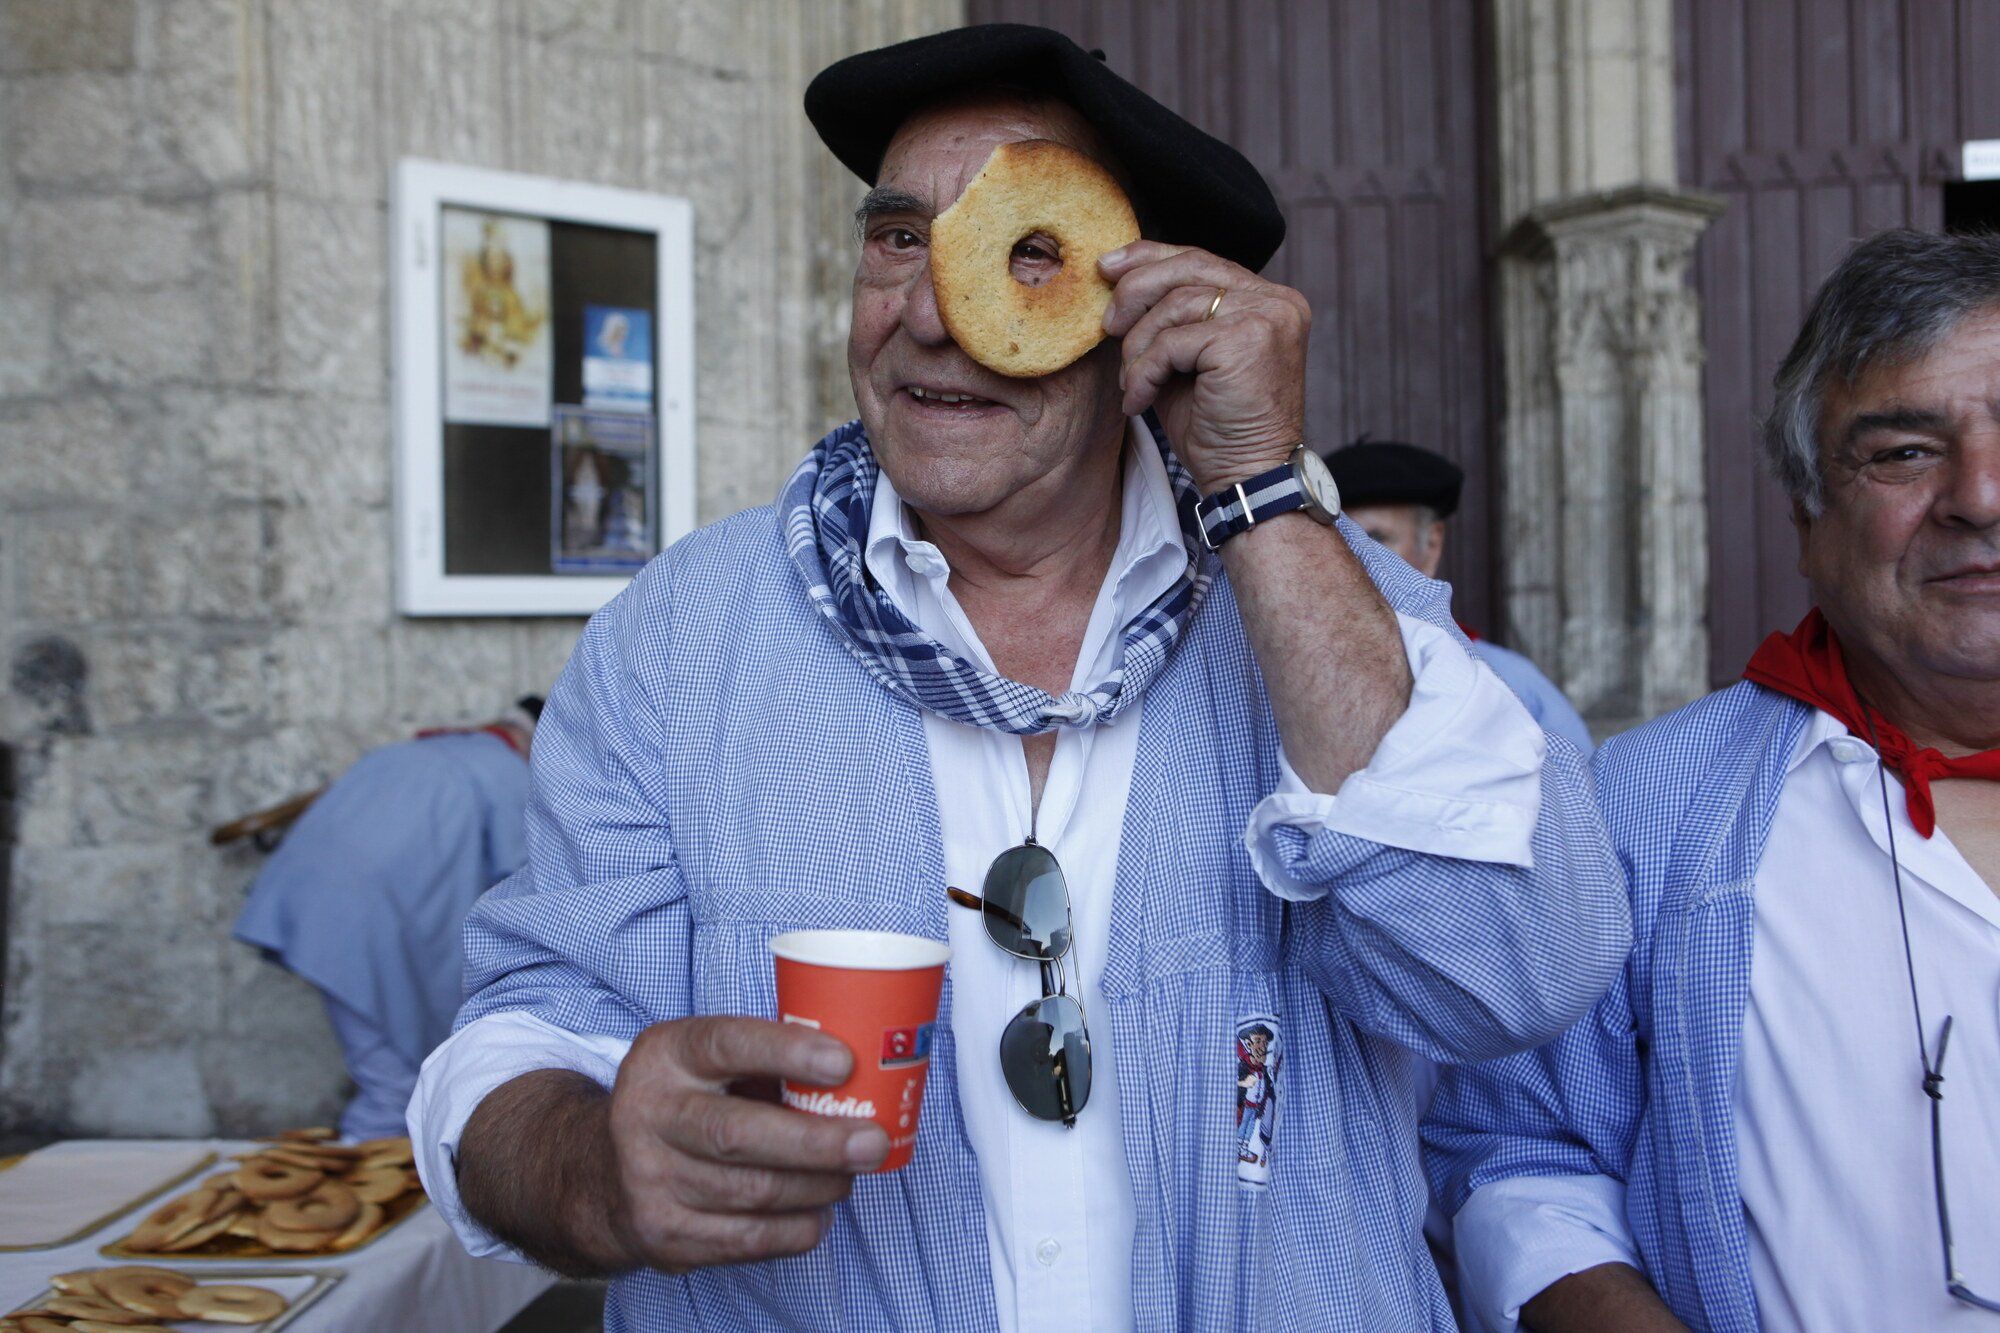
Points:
[(1641, 1092), (714, 767)]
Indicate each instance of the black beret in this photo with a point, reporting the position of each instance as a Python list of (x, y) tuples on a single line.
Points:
[(1193, 189), (1385, 472)]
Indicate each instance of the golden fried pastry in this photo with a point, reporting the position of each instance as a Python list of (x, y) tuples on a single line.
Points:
[(86, 1307), (379, 1185), (263, 1180), (330, 1207), (385, 1152), (365, 1224), (201, 1235), (147, 1291), (83, 1282), (1035, 189), (172, 1220), (291, 1242), (231, 1303), (35, 1323)]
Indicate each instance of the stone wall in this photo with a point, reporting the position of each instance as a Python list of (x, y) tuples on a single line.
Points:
[(195, 445)]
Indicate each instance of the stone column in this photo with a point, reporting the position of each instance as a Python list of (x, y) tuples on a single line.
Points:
[(1604, 517)]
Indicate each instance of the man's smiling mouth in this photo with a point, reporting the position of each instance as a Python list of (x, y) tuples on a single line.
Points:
[(946, 399)]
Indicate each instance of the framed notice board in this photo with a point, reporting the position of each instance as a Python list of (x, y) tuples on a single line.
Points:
[(544, 388)]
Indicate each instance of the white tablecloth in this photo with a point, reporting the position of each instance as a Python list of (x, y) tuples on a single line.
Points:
[(416, 1276)]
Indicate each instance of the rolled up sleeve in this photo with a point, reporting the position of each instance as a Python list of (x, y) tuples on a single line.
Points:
[(462, 1073), (1516, 1237), (1458, 775), (1458, 895)]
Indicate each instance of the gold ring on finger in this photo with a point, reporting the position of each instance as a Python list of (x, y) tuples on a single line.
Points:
[(1215, 305)]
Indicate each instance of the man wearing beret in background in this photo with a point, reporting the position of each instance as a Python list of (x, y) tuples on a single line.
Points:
[(984, 614), (1401, 496)]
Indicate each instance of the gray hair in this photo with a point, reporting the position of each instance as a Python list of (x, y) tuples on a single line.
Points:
[(1893, 299)]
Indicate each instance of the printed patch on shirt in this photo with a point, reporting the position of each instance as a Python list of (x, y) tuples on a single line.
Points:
[(1259, 1052), (906, 1046)]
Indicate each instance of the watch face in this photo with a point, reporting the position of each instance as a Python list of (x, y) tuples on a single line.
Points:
[(1313, 475)]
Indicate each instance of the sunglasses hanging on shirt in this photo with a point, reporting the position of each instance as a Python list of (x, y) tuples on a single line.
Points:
[(1044, 1049)]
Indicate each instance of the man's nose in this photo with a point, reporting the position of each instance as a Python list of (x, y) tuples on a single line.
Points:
[(1971, 496), (920, 312)]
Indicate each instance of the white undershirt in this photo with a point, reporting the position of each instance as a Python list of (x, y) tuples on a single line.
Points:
[(1832, 1125), (1059, 1210), (1058, 1202)]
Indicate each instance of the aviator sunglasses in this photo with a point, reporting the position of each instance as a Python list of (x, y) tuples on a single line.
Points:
[(1045, 1049)]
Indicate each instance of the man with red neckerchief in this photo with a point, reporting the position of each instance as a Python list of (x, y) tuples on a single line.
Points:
[(1779, 1118)]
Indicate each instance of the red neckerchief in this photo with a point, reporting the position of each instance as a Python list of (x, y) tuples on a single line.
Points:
[(1467, 630), (1806, 665), (491, 729)]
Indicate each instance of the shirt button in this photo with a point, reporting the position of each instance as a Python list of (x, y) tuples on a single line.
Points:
[(1848, 750), (1047, 1253)]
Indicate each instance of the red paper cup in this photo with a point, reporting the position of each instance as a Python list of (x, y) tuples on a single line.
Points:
[(878, 992)]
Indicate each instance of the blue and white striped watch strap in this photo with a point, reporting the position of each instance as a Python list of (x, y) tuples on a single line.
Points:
[(1248, 503)]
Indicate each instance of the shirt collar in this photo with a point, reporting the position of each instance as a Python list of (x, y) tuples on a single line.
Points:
[(1151, 551), (1824, 729)]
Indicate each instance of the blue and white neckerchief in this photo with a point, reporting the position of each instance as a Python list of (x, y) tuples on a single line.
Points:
[(826, 507)]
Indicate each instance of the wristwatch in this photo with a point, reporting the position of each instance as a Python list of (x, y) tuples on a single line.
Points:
[(1302, 482)]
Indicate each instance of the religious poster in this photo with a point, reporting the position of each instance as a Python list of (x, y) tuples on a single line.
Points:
[(617, 359), (604, 515), (498, 346)]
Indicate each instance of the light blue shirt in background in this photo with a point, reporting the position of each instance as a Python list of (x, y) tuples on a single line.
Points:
[(367, 895), (1538, 692)]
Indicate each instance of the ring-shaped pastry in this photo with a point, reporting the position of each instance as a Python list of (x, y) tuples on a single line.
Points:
[(330, 1207), (201, 1235), (263, 1180), (172, 1220), (1030, 188), (85, 1307), (147, 1291), (231, 1303), (379, 1185), (365, 1225)]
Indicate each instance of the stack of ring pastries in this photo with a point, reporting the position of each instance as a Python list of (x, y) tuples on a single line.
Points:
[(134, 1299), (293, 1196)]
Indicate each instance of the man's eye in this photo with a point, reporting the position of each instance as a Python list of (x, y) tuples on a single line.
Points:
[(1901, 453), (1033, 253), (900, 238)]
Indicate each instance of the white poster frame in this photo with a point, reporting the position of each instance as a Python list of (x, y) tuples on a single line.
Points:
[(424, 188)]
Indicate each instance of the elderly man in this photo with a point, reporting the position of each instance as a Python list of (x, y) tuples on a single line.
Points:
[(1758, 1120), (1403, 496), (979, 618)]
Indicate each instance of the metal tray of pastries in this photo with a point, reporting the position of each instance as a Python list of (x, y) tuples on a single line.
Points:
[(291, 1198)]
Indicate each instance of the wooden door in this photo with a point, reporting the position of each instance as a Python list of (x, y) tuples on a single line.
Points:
[(1365, 116), (1820, 121)]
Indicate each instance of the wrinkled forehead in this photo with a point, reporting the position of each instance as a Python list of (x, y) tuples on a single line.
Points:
[(940, 148), (1920, 386)]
